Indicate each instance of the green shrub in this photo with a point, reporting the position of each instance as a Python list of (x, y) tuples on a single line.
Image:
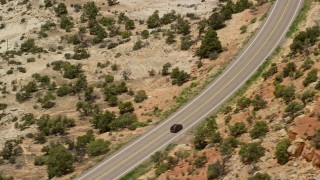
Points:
[(123, 121), (294, 108), (170, 37), (10, 71), (40, 138), (138, 45), (71, 71), (87, 108), (80, 53), (259, 130), (112, 2), (228, 145), (11, 150), (97, 147), (168, 18), (125, 34), (27, 120), (281, 152), (179, 77), (22, 96), (312, 76), (215, 170), (30, 46), (192, 16), (270, 72), (2, 2), (99, 32), (242, 5), (209, 45), (46, 100), (54, 126), (287, 93), (186, 43), (102, 120), (183, 27), (29, 60), (289, 70), (154, 20), (227, 10), (66, 23), (47, 3), (259, 103), (64, 90), (308, 96), (140, 96), (3, 106), (243, 103), (145, 34), (165, 69), (82, 141), (200, 161), (158, 157), (199, 140), (307, 64), (90, 10), (129, 24), (74, 39), (305, 39), (252, 152), (47, 26), (107, 21), (59, 162), (61, 9), (162, 168), (216, 21), (40, 160), (237, 129), (216, 138)]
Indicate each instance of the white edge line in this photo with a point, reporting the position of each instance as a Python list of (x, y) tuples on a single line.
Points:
[(216, 105), (207, 89)]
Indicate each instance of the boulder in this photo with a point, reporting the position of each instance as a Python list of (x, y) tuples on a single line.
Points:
[(308, 152), (292, 134), (283, 176), (316, 158), (296, 147)]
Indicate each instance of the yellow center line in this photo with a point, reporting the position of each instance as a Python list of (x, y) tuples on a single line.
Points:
[(265, 42), (164, 133)]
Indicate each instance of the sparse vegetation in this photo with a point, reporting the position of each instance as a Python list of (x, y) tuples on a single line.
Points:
[(59, 162), (82, 63), (30, 46), (140, 96), (237, 129), (259, 130), (252, 152), (260, 176), (97, 147), (215, 170), (281, 152), (210, 45)]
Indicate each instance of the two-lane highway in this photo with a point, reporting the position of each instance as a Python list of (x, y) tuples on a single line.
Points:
[(265, 41)]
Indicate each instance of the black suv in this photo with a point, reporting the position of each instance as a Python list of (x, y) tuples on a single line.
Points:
[(175, 128)]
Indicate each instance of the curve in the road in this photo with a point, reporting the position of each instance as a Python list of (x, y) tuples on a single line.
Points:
[(162, 132)]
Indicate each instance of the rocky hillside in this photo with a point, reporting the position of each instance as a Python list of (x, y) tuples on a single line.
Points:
[(81, 78), (271, 129)]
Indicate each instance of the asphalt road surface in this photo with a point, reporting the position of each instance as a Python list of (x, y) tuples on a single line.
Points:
[(262, 44)]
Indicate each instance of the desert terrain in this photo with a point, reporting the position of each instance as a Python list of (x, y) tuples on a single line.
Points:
[(91, 62)]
